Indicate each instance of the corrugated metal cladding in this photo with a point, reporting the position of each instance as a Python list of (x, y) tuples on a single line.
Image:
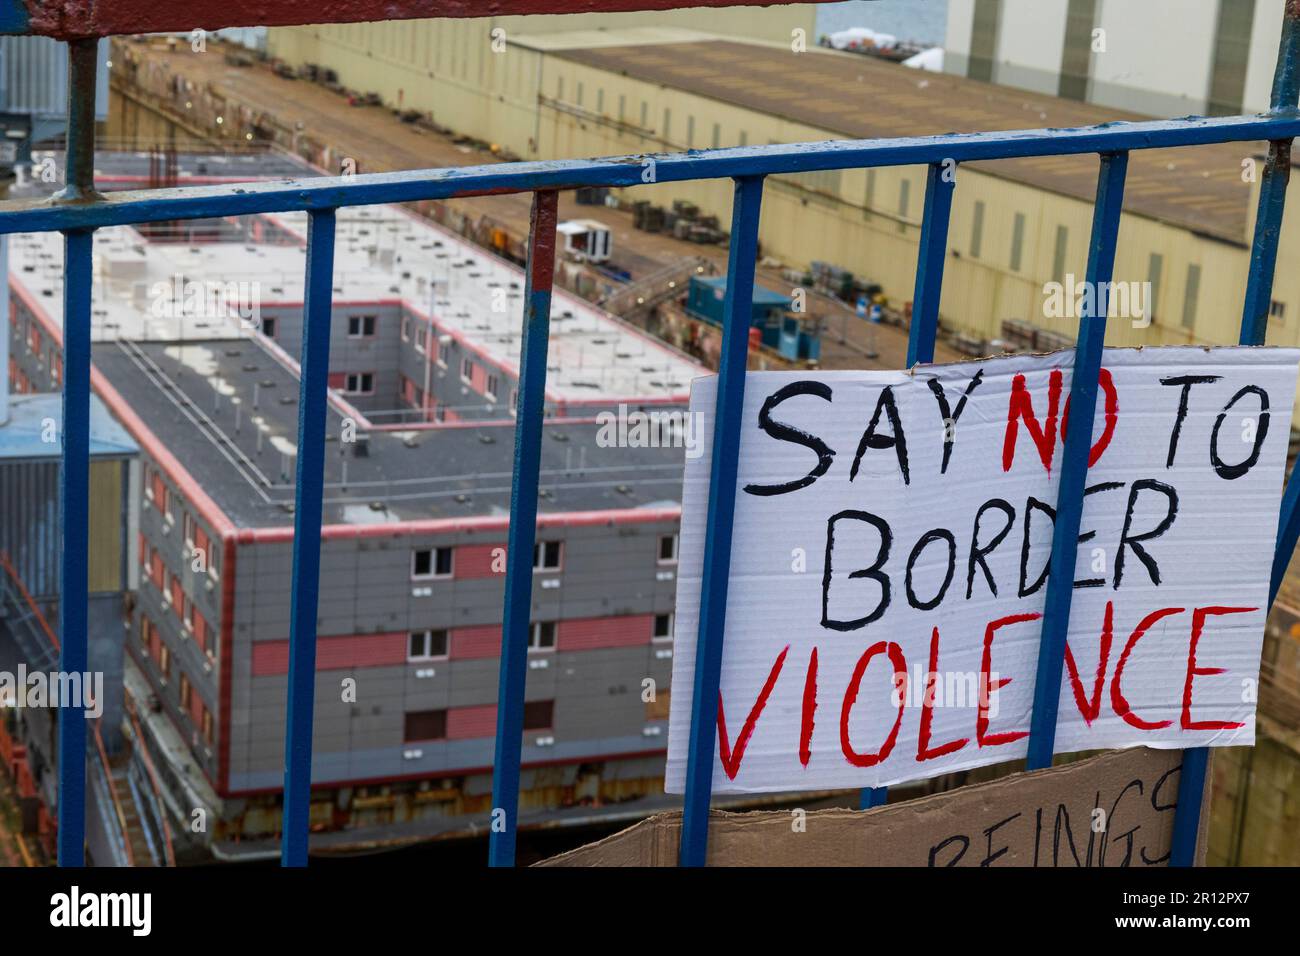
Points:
[(29, 524), (34, 77)]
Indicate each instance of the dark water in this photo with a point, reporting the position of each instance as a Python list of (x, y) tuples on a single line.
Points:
[(922, 20)]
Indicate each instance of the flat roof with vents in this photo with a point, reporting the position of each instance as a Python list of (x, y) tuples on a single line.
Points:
[(233, 406), (382, 253)]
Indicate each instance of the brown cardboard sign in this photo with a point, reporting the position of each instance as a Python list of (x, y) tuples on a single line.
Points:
[(1115, 809)]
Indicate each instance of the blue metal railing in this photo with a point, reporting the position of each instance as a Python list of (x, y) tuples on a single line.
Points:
[(79, 212)]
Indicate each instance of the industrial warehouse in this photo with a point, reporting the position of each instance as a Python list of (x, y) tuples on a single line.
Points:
[(1017, 225)]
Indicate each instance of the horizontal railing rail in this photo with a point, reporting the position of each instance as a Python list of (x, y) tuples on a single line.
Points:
[(78, 211), (129, 207)]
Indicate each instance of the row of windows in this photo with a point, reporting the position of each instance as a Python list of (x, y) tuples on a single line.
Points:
[(1155, 268), (423, 341), (201, 551), (190, 702), (491, 385), (435, 644), (429, 725), (36, 348), (172, 591), (439, 562), (359, 326)]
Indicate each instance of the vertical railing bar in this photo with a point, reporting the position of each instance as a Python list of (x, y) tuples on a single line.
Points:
[(1288, 530), (728, 407), (517, 619), (74, 494), (1272, 189), (74, 472), (1254, 329), (930, 258), (308, 502), (1074, 464), (932, 253), (1263, 253)]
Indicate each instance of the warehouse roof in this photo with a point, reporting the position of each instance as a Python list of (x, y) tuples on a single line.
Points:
[(857, 97), (176, 289), (231, 405)]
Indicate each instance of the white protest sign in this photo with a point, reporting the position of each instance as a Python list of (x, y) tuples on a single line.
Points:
[(888, 566)]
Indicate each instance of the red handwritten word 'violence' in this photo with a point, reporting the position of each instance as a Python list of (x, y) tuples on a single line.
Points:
[(868, 754)]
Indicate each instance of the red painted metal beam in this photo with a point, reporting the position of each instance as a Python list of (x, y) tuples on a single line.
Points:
[(71, 19)]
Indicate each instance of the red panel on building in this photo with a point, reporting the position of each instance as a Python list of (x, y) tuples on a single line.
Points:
[(270, 657), (589, 633), (178, 597), (475, 560), (200, 629), (361, 650), (333, 653), (159, 488), (465, 722), (475, 642)]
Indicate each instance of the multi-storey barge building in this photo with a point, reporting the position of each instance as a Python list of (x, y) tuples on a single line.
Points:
[(196, 330)]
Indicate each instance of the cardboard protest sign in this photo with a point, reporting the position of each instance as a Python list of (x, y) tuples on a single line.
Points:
[(890, 554), (1116, 809)]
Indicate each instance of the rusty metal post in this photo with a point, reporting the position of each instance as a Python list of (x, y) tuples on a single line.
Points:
[(79, 177)]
